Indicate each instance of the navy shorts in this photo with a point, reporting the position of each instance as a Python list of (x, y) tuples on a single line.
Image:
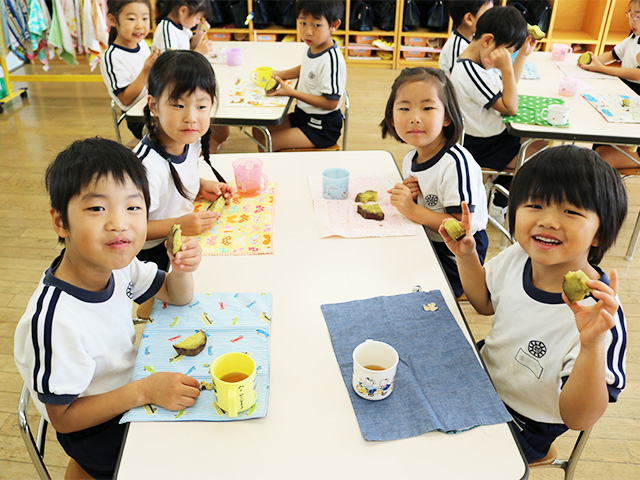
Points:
[(96, 449), (493, 152), (157, 255), (322, 130), (448, 259), (136, 127)]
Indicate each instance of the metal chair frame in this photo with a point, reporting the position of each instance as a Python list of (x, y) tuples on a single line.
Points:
[(35, 448), (117, 120), (569, 465)]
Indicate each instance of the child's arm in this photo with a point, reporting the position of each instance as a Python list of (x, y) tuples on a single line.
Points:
[(130, 93), (198, 42), (210, 190), (403, 199), (193, 223), (471, 272), (598, 64), (319, 101), (287, 74), (507, 104), (173, 391), (177, 288), (519, 63), (584, 397)]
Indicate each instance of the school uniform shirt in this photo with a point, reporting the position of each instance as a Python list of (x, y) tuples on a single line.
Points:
[(453, 47), (446, 180), (627, 52), (477, 90), (171, 36), (120, 66), (325, 74), (165, 200), (73, 343), (534, 342)]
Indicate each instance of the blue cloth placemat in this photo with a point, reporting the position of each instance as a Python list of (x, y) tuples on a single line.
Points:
[(233, 322), (440, 385)]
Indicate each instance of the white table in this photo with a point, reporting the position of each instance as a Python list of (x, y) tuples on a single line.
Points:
[(277, 55), (311, 431)]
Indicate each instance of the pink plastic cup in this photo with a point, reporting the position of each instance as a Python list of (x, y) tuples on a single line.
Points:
[(250, 180)]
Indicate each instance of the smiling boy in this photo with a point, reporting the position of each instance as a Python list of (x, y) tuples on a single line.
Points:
[(75, 344), (317, 120)]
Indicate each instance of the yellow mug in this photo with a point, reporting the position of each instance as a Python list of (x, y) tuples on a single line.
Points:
[(234, 382), (261, 75)]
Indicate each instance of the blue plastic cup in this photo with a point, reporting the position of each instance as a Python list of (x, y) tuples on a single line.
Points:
[(335, 183)]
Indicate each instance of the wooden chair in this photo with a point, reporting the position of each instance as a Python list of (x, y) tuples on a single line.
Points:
[(118, 117), (569, 465), (345, 127), (34, 447)]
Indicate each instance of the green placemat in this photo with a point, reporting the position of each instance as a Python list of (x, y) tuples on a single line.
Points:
[(530, 111)]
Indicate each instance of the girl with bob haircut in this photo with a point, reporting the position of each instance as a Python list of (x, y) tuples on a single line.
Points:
[(439, 173), (556, 364)]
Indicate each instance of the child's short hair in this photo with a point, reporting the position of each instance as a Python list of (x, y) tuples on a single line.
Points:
[(506, 24), (89, 160), (459, 8), (446, 93), (329, 9), (579, 176), (165, 7)]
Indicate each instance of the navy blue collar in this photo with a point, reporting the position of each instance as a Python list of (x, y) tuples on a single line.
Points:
[(172, 158), (179, 27), (548, 297), (130, 50), (316, 55), (421, 167), (81, 294)]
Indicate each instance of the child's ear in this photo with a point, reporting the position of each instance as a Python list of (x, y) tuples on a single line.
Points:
[(112, 20), (468, 19), (487, 39), (153, 105), (334, 26), (58, 224), (596, 240)]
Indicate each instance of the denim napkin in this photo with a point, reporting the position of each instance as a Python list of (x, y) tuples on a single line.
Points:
[(440, 385)]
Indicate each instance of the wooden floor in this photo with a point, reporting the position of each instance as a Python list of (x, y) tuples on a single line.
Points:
[(32, 132)]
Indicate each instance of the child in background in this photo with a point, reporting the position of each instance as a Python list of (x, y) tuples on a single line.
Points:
[(554, 363), (126, 63), (627, 53), (175, 21), (486, 85), (182, 92), (75, 344), (465, 15), (317, 119), (422, 111)]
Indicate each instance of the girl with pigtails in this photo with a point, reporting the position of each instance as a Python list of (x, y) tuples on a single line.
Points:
[(182, 92)]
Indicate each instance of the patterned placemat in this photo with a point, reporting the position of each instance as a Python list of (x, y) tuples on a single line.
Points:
[(245, 226), (529, 111), (245, 93), (613, 109), (233, 322)]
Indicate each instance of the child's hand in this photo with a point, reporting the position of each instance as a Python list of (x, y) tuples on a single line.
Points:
[(189, 256), (205, 46), (195, 223), (283, 90), (148, 63), (204, 25), (528, 47), (210, 190), (412, 183), (173, 391), (500, 58), (402, 198), (594, 66), (593, 321), (468, 244)]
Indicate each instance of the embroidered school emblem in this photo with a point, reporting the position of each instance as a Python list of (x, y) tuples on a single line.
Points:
[(130, 290), (431, 200), (537, 348)]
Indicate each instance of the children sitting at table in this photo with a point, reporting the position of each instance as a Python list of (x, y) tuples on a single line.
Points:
[(555, 364), (627, 53), (485, 80), (75, 344), (317, 119), (175, 21), (439, 173), (182, 92), (126, 63), (465, 15)]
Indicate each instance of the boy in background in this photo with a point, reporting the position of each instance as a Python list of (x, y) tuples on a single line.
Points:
[(75, 344), (485, 80), (465, 15), (317, 120)]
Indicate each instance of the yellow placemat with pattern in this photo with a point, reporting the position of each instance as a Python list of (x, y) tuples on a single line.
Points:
[(245, 226)]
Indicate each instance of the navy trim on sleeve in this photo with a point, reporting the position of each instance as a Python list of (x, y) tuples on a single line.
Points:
[(52, 399), (153, 289)]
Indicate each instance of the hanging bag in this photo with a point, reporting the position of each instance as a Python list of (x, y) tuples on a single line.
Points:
[(214, 16), (361, 17), (384, 15), (437, 20), (261, 17), (239, 12), (411, 17), (285, 13)]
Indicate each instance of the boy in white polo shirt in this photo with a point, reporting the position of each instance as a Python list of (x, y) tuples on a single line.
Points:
[(75, 344), (485, 80)]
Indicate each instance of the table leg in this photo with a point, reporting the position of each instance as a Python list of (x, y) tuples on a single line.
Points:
[(633, 242), (267, 135)]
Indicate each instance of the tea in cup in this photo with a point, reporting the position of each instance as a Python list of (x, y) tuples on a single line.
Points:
[(556, 114), (335, 183), (261, 75), (559, 52), (250, 180), (234, 382), (374, 369)]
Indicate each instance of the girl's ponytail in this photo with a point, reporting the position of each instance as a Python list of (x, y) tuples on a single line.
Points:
[(205, 154), (160, 149)]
